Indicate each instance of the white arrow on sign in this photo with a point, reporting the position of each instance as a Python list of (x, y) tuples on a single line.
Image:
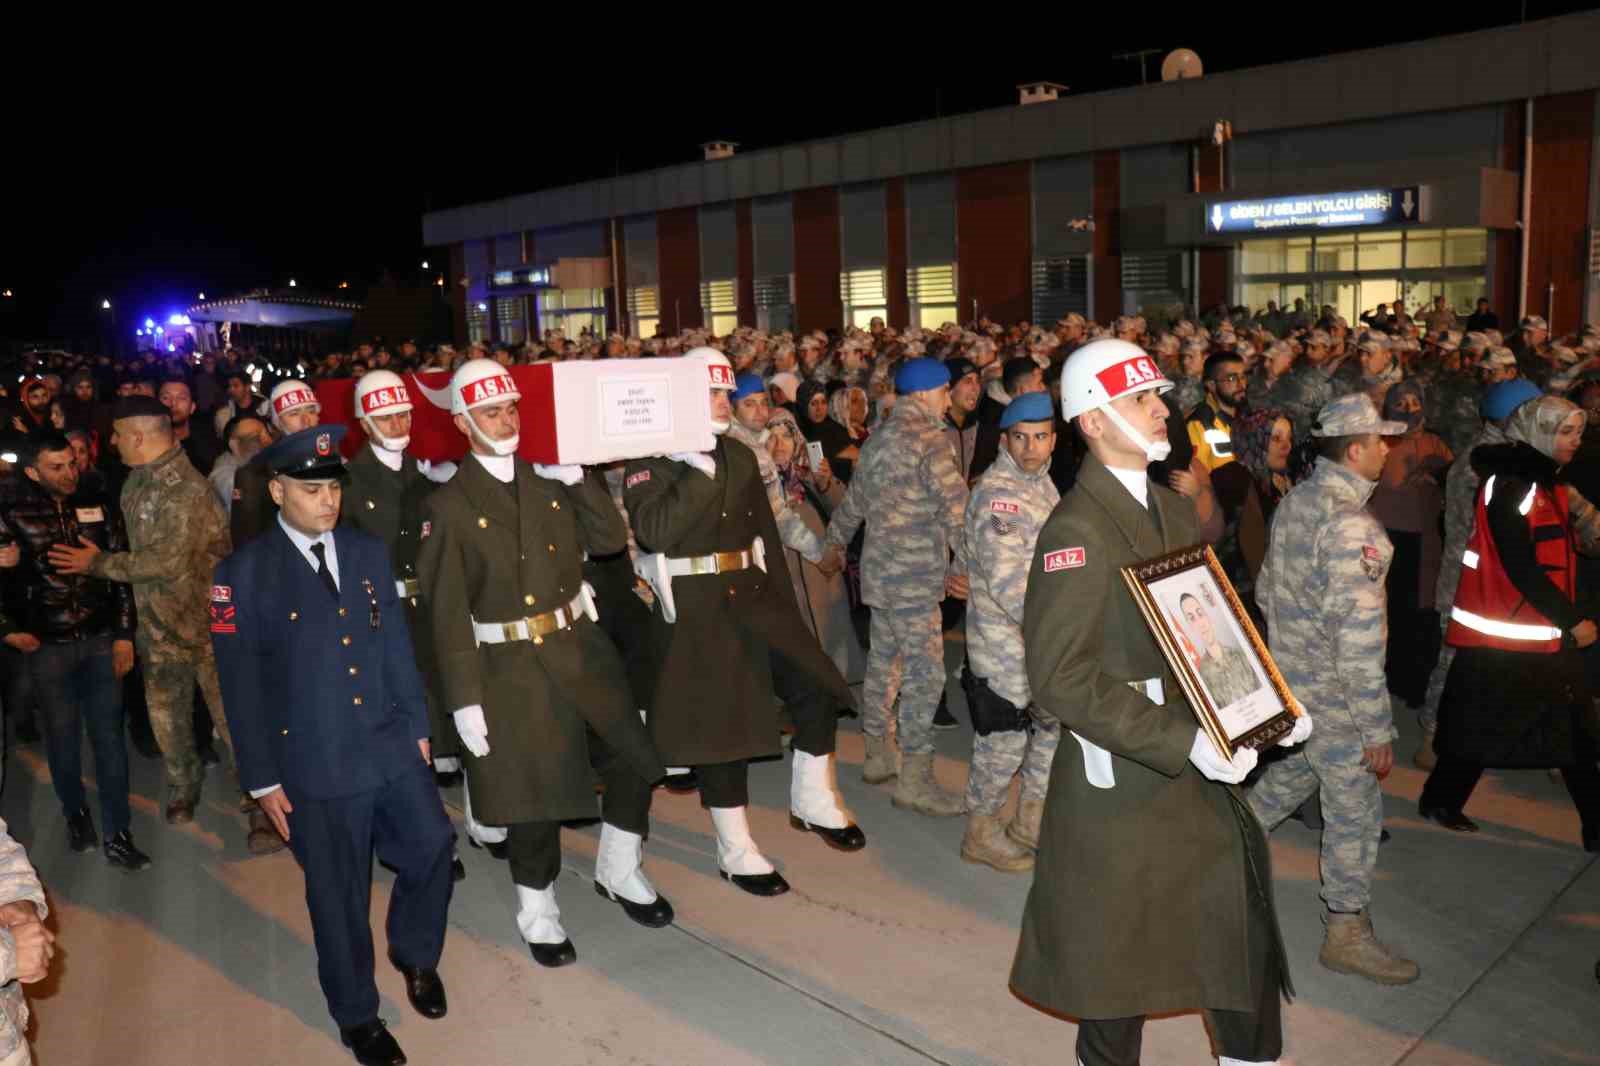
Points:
[(1216, 217), (1407, 203)]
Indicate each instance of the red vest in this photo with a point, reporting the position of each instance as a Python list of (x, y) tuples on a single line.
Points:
[(1489, 612)]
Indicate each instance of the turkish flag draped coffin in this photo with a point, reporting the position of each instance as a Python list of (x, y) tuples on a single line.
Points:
[(582, 412)]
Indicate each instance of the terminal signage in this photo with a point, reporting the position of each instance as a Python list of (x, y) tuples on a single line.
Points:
[(535, 277), (1362, 207)]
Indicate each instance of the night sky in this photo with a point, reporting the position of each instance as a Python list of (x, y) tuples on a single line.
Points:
[(160, 191)]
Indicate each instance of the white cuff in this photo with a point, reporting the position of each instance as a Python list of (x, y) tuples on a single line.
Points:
[(257, 793)]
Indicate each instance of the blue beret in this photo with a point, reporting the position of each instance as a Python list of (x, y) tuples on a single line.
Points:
[(311, 453), (1029, 407), (1503, 397), (747, 385), (920, 375)]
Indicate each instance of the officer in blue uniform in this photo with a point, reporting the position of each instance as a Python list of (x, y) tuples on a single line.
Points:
[(332, 734)]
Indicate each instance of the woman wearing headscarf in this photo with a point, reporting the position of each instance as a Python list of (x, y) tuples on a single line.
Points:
[(1248, 491), (818, 425), (1409, 501), (848, 409), (813, 494), (1516, 694)]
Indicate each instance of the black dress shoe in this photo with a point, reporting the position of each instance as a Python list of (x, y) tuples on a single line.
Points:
[(942, 718), (654, 915), (771, 884), (372, 1044), (850, 838), (80, 831), (458, 869), (553, 955), (498, 850), (1383, 836), (423, 989), (1454, 820), (681, 784)]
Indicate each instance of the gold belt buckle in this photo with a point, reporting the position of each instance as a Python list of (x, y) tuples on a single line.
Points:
[(413, 587), (509, 631), (729, 561)]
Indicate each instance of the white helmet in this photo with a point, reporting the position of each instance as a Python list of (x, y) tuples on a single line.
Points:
[(289, 396), (479, 382), (717, 366), (1104, 370), (381, 392)]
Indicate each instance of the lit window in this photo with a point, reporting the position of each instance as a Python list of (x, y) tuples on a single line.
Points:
[(864, 295), (719, 305), (932, 293)]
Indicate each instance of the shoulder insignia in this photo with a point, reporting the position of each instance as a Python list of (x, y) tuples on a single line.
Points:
[(1064, 559), (171, 477), (637, 478), (1371, 562), (1004, 507), (427, 527), (222, 610), (1000, 525)]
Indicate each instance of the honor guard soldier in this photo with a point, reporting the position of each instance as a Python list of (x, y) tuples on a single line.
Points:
[(728, 637), (384, 497), (1152, 889), (1010, 504), (332, 734), (537, 692), (294, 407)]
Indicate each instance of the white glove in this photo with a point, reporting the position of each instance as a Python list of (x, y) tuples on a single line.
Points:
[(569, 474), (439, 472), (473, 730), (1301, 730), (1205, 758), (701, 461)]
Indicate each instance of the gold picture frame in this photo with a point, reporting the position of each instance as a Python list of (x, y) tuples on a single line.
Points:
[(1213, 648)]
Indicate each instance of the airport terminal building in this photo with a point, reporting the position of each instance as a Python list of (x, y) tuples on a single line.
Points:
[(1463, 165)]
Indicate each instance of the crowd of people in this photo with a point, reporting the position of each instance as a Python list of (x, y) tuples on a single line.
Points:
[(1400, 504)]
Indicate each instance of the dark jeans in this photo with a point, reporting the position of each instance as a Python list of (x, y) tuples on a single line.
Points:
[(77, 688)]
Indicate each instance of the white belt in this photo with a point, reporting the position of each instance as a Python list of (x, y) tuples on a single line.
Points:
[(1097, 760), (719, 562), (537, 627)]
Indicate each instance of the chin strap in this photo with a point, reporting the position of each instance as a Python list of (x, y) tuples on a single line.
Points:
[(498, 447), (719, 428), (388, 444), (1154, 452)]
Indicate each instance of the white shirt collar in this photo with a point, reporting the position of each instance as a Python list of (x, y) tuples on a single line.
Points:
[(392, 460), (303, 544), (503, 468), (1137, 482)]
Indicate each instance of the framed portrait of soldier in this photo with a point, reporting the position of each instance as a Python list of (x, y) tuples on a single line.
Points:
[(1213, 648)]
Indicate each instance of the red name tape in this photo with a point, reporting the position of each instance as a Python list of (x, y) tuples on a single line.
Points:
[(381, 398), (721, 375), (637, 479), (489, 389), (1128, 374), (1005, 507), (1064, 559), (292, 399)]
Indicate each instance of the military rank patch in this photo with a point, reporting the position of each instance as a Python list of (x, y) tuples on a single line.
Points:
[(1004, 507), (1064, 559), (1371, 562), (222, 609), (640, 478), (427, 527), (1000, 525)]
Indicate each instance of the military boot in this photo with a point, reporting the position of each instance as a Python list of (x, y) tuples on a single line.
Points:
[(918, 790), (1351, 947), (986, 841), (1024, 827), (879, 765), (1425, 759)]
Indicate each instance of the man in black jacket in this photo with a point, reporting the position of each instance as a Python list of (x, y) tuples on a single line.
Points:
[(77, 632)]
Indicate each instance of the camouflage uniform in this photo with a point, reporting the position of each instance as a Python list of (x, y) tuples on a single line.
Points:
[(18, 882), (908, 491), (1003, 519), (791, 527), (1451, 409), (1301, 393), (1321, 590), (1186, 392), (177, 534)]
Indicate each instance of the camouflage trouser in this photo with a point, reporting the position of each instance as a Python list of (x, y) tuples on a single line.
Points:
[(999, 755), (169, 691), (1428, 717), (1352, 809), (907, 658)]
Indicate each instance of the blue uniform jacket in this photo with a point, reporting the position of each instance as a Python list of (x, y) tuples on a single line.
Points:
[(316, 699)]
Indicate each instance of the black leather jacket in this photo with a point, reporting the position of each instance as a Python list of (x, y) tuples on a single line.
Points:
[(51, 606)]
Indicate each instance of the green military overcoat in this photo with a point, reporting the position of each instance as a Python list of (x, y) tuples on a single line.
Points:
[(1154, 895), (712, 699), (388, 504), (495, 553)]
